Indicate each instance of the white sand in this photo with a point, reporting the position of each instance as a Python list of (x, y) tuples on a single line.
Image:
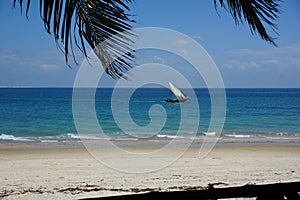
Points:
[(74, 173)]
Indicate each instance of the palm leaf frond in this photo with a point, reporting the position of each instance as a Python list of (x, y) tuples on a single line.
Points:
[(256, 13), (103, 24)]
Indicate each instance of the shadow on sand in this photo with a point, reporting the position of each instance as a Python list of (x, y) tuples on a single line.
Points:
[(277, 191)]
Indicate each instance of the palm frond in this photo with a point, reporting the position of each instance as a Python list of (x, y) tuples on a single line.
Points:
[(75, 22), (256, 13)]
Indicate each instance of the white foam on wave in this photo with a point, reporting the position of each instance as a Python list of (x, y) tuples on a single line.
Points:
[(66, 136), (281, 134), (170, 136), (86, 137), (210, 133), (76, 136), (238, 136), (48, 139), (13, 138)]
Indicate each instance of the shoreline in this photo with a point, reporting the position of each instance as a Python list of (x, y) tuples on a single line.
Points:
[(68, 171), (150, 142)]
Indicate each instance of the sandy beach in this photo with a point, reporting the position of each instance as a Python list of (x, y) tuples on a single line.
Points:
[(65, 171)]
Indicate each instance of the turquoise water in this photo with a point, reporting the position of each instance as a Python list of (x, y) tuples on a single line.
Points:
[(46, 113)]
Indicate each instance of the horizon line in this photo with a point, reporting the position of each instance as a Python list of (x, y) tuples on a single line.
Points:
[(70, 87)]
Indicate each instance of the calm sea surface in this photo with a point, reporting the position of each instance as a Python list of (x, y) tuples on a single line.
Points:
[(46, 113)]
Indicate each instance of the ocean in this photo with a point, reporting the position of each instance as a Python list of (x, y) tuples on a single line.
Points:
[(45, 114)]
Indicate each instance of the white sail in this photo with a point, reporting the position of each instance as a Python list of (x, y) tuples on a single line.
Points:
[(177, 92)]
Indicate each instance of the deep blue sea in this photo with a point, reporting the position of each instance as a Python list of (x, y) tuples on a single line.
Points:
[(45, 114)]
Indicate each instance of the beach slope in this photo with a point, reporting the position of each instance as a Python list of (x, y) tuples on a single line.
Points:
[(27, 172)]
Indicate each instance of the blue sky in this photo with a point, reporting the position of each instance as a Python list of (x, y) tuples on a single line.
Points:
[(29, 56)]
